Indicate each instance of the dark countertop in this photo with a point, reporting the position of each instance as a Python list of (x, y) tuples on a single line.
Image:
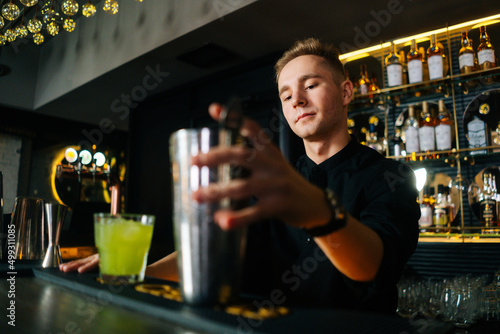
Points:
[(49, 301)]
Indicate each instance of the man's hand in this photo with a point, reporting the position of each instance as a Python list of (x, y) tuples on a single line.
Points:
[(82, 265), (281, 192)]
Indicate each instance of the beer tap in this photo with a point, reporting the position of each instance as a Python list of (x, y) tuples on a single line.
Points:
[(84, 165)]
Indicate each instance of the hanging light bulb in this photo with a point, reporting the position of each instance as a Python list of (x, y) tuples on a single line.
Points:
[(69, 7), (1, 22), (52, 28), (21, 31), (88, 10), (69, 25), (34, 25), (38, 38), (29, 3), (49, 15), (10, 11), (110, 7), (3, 40), (10, 35)]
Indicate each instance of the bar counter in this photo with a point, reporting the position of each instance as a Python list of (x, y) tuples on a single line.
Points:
[(49, 301)]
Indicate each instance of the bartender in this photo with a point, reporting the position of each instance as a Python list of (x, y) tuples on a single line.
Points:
[(336, 230)]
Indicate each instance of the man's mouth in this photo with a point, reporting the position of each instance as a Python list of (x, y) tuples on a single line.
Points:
[(304, 115)]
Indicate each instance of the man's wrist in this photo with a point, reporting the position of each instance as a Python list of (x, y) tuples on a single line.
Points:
[(338, 218)]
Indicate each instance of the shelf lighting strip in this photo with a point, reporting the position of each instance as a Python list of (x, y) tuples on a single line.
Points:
[(366, 51)]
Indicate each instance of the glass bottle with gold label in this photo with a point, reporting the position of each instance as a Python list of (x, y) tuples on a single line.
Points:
[(444, 130), (466, 55), (488, 211), (485, 51), (435, 60)]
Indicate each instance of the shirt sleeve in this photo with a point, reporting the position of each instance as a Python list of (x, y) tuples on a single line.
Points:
[(392, 212)]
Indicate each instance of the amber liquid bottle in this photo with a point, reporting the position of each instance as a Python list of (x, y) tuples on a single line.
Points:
[(466, 55), (445, 128), (435, 60), (415, 65), (485, 51), (363, 82)]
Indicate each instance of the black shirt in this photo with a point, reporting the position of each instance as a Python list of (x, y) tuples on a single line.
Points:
[(287, 266)]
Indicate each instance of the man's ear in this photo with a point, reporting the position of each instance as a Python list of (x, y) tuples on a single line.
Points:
[(347, 91)]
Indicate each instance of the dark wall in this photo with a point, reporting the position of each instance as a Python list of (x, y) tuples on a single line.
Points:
[(152, 123)]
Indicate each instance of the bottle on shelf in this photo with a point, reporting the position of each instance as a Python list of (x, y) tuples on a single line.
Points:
[(394, 68), (411, 133), (405, 67), (435, 60), (451, 210), (485, 51), (397, 143), (441, 215), (425, 66), (355, 87), (364, 81), (415, 65), (426, 211), (426, 129), (372, 139), (488, 210), (445, 128), (466, 56), (477, 134)]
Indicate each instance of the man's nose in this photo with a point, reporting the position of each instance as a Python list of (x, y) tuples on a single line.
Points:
[(298, 100)]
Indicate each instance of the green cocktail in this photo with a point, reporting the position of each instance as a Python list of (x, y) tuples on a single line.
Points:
[(123, 243)]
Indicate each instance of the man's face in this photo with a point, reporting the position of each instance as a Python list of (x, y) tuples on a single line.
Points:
[(313, 103)]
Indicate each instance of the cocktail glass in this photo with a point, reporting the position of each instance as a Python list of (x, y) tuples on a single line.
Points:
[(123, 243)]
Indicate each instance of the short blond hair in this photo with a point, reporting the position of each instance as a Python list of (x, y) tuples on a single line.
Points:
[(311, 46)]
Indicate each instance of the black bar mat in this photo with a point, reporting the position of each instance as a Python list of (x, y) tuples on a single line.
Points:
[(217, 320)]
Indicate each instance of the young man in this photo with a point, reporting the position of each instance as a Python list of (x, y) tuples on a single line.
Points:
[(344, 222)]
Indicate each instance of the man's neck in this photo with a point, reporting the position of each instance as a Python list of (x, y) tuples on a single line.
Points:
[(319, 151)]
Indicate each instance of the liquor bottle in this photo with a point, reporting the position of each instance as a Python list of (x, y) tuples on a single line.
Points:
[(410, 130), (466, 55), (485, 51), (451, 208), (415, 65), (425, 66), (405, 67), (477, 134), (397, 143), (426, 129), (394, 68), (435, 60), (363, 82), (426, 211), (373, 84), (488, 211), (441, 214), (372, 140), (444, 128)]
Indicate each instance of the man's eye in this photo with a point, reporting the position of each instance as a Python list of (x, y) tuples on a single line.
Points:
[(286, 98), (310, 86)]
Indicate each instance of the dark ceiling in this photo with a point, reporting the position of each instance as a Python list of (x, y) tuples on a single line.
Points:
[(257, 30)]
